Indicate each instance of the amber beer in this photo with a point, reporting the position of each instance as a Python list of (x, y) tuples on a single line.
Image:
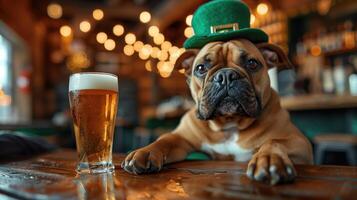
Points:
[(93, 100)]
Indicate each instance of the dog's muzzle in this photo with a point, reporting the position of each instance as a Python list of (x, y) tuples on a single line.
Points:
[(228, 93)]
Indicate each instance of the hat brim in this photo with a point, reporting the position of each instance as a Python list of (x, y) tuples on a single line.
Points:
[(251, 34)]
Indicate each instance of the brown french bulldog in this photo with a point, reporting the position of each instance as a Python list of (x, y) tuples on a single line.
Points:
[(237, 115)]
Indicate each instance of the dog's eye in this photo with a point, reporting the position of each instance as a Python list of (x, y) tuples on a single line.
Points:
[(252, 64), (201, 69)]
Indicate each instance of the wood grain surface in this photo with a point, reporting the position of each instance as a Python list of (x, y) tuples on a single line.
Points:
[(52, 176)]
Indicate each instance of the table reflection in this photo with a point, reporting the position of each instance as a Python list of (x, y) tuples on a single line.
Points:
[(96, 186)]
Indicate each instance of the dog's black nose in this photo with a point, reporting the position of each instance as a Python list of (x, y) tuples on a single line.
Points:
[(225, 76)]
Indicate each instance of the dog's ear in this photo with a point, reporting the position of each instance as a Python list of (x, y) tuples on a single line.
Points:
[(274, 56), (185, 61)]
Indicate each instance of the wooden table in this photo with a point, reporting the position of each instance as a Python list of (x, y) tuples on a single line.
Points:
[(52, 176)]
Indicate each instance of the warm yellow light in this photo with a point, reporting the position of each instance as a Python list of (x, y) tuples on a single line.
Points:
[(54, 11), (101, 37), (130, 38), (84, 26), (138, 45), (181, 50), (162, 55), (146, 50), (188, 32), (262, 9), (189, 20), (252, 19), (154, 52), (165, 74), (128, 50), (174, 56), (78, 60), (166, 45), (159, 65), (145, 17), (159, 39), (118, 30), (148, 66), (173, 49), (65, 31), (173, 59), (109, 44), (165, 68), (153, 30), (98, 14), (181, 71), (143, 56), (315, 50)]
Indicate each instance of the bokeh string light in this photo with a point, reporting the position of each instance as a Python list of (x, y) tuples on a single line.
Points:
[(262, 9), (65, 31), (138, 45), (153, 30), (148, 66), (128, 50), (145, 17), (252, 19), (101, 37), (84, 26), (146, 50), (54, 11), (118, 30), (130, 38), (109, 45), (189, 20), (98, 14), (166, 45), (154, 52), (188, 32), (162, 55), (164, 51), (159, 39)]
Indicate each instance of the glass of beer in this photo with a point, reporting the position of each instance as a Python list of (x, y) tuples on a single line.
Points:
[(93, 100)]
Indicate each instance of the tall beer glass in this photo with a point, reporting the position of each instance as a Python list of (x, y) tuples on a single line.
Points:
[(93, 100)]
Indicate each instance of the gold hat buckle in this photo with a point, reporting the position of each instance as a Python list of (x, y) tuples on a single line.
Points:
[(225, 28)]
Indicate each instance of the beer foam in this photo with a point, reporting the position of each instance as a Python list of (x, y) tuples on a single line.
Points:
[(85, 81)]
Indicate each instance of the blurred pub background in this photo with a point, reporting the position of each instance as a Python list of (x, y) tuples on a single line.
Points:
[(43, 41)]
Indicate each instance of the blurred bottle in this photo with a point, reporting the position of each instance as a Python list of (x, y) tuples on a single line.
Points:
[(352, 79), (339, 77), (353, 84), (348, 35), (337, 37), (327, 80), (300, 48)]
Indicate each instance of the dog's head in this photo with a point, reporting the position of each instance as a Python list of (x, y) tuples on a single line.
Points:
[(230, 79)]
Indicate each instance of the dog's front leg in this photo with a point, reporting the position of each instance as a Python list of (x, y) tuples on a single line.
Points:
[(167, 149), (272, 164)]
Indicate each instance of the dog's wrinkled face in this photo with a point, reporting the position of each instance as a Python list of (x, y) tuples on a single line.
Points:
[(230, 78)]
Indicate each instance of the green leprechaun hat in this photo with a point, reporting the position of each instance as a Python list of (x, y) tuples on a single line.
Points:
[(222, 20)]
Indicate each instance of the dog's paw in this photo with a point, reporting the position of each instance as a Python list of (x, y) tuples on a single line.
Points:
[(143, 161), (271, 168)]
